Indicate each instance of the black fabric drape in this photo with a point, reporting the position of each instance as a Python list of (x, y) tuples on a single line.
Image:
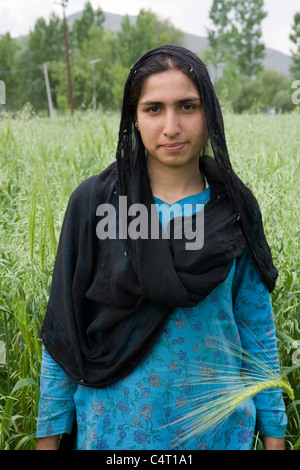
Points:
[(104, 314)]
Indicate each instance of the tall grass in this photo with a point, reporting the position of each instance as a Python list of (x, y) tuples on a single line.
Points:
[(221, 388), (42, 161)]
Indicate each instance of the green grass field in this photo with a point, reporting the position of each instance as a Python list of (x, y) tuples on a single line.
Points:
[(43, 161)]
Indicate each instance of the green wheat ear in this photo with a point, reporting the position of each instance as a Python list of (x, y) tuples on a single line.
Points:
[(230, 385)]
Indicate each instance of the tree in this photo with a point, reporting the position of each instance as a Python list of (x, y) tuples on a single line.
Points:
[(87, 41), (220, 34), (82, 26), (235, 36), (248, 15), (45, 42), (235, 49), (45, 45), (268, 90), (295, 38), (8, 73), (148, 32)]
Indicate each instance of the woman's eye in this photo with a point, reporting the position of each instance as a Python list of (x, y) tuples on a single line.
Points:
[(153, 109), (187, 107)]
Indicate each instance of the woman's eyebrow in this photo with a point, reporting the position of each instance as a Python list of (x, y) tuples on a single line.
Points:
[(188, 99)]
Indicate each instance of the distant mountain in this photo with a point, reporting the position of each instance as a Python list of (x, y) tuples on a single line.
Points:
[(273, 59)]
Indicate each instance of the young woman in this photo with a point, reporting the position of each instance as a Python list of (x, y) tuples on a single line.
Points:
[(133, 318)]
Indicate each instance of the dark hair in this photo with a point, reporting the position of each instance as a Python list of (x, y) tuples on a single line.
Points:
[(155, 64), (161, 59)]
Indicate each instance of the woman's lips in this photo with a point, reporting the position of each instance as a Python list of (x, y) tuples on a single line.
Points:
[(174, 147)]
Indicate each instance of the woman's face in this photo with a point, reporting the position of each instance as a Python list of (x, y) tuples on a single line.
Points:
[(171, 120)]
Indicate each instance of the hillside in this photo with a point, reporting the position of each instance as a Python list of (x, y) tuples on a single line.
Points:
[(274, 60)]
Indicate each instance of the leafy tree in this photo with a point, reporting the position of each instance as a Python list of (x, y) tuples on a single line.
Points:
[(110, 74), (232, 30), (86, 38), (248, 15), (82, 26), (269, 84), (235, 48), (148, 32), (282, 101), (46, 41), (268, 90), (45, 45), (87, 41), (220, 34), (235, 36), (8, 73), (295, 38)]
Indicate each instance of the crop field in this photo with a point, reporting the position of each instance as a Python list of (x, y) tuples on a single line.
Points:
[(43, 160)]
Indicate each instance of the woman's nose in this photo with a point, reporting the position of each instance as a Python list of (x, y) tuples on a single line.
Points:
[(171, 124)]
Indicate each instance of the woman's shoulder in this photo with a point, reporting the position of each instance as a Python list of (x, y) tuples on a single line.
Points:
[(84, 188), (94, 183)]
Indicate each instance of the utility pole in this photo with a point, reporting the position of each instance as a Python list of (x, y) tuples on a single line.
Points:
[(93, 62), (45, 70), (2, 92), (64, 4)]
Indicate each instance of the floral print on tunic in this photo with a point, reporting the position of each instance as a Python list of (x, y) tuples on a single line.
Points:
[(139, 411)]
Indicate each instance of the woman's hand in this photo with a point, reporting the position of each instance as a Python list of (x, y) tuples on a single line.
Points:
[(273, 443), (47, 443)]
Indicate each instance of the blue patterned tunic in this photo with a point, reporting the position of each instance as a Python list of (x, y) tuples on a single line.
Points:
[(138, 412)]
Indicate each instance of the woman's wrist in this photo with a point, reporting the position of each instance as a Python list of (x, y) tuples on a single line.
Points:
[(273, 443), (47, 443)]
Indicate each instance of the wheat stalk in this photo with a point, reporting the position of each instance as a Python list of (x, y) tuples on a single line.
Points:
[(231, 386)]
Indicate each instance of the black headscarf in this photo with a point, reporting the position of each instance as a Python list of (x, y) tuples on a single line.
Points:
[(110, 299)]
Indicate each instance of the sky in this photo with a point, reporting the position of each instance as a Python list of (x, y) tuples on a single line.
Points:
[(18, 16)]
